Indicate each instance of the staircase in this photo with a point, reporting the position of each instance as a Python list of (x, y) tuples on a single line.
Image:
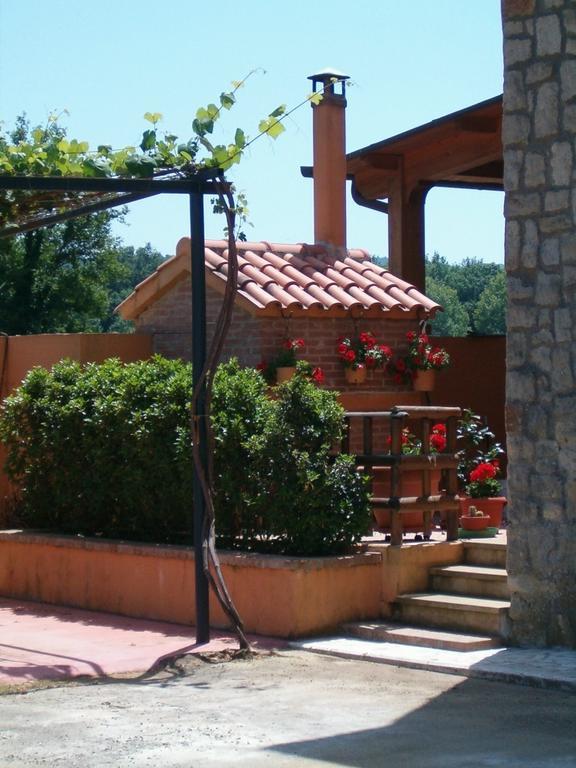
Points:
[(465, 609)]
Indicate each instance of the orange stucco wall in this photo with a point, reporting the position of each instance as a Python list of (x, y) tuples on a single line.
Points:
[(18, 354), (281, 596), (476, 378)]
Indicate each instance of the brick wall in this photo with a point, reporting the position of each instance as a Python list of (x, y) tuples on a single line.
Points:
[(539, 131), (169, 320), (253, 339)]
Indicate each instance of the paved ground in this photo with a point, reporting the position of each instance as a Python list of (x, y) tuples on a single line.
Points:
[(553, 668), (291, 709), (49, 642)]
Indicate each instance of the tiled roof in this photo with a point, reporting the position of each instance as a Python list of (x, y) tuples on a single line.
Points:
[(296, 278)]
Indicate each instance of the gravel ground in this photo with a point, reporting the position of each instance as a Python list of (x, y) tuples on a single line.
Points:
[(289, 709)]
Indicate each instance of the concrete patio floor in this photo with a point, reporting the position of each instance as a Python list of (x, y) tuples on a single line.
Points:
[(289, 710)]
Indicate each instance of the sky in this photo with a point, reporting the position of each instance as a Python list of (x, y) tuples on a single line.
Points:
[(409, 62)]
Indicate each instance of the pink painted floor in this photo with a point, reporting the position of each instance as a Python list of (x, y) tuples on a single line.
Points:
[(48, 642)]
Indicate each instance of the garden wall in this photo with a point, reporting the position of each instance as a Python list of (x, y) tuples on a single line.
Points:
[(280, 596), (476, 378)]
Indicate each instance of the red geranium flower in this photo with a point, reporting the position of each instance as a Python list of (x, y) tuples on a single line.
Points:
[(484, 471), (437, 442)]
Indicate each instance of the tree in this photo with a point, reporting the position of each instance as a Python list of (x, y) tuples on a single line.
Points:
[(490, 311), (57, 279), (438, 268), (469, 279), (454, 321), (135, 264)]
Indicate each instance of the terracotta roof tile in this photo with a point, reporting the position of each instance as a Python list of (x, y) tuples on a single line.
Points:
[(277, 276)]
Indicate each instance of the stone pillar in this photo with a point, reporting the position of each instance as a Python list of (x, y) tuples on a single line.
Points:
[(539, 139)]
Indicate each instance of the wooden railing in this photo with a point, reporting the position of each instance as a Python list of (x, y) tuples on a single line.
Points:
[(419, 419)]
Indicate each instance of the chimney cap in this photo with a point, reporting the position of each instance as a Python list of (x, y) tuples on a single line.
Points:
[(327, 79), (327, 74)]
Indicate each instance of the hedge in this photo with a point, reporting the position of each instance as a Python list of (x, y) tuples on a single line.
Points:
[(105, 450)]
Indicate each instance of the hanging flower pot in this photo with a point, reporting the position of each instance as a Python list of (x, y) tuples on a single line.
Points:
[(355, 375), (361, 353), (425, 380), (284, 373)]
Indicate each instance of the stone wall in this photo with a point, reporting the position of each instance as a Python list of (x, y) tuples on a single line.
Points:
[(539, 132)]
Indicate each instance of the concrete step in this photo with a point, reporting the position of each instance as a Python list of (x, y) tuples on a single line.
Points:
[(486, 616), (477, 580), (488, 553), (389, 632)]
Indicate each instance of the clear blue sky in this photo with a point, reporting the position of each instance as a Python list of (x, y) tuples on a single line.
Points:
[(410, 61)]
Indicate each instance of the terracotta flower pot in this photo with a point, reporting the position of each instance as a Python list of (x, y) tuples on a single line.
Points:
[(425, 381), (476, 523), (490, 506), (284, 373), (355, 375)]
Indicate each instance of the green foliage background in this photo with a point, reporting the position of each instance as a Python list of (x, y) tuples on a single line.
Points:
[(473, 294)]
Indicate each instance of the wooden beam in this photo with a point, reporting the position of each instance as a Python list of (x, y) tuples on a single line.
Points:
[(447, 158), (475, 124), (383, 161), (440, 161)]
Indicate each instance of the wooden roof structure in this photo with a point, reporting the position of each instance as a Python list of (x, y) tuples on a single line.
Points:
[(462, 150)]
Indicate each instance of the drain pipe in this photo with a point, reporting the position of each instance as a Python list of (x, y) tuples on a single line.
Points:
[(366, 202)]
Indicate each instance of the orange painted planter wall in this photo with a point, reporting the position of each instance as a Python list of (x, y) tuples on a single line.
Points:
[(281, 596)]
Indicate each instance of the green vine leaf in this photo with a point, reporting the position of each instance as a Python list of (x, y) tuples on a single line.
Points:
[(148, 141), (153, 117), (271, 126)]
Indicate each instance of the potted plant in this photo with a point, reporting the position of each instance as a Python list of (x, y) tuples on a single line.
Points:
[(476, 444), (277, 371), (361, 354), (475, 520), (483, 491), (283, 366), (419, 365)]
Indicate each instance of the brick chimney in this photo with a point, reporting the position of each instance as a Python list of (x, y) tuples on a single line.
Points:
[(329, 137)]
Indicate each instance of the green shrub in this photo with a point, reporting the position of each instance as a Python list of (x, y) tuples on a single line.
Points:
[(287, 493), (106, 450), (103, 449)]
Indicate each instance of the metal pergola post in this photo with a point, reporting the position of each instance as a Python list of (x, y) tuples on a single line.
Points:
[(199, 411)]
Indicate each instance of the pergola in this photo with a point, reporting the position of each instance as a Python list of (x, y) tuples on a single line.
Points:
[(461, 150), (32, 202)]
